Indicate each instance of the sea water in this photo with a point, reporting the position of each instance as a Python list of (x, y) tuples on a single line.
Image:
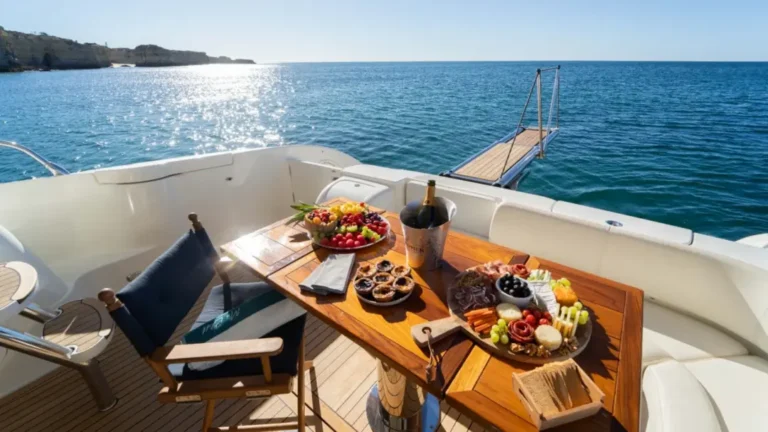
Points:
[(679, 143)]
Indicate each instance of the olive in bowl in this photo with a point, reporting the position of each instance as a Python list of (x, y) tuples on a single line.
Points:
[(514, 290)]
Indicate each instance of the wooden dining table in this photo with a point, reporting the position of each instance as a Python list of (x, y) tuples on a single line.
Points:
[(466, 376)]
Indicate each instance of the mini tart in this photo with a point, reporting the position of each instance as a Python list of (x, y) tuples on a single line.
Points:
[(366, 270), (403, 284), (401, 270), (384, 293), (385, 266), (383, 278), (364, 286)]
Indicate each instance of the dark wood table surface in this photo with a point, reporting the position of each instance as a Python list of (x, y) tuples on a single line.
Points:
[(468, 377)]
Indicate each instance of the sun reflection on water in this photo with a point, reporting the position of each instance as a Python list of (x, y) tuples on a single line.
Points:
[(203, 108)]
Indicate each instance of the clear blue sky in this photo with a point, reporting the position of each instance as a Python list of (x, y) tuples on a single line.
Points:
[(397, 30)]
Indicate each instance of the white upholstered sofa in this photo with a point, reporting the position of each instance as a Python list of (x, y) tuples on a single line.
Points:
[(705, 334)]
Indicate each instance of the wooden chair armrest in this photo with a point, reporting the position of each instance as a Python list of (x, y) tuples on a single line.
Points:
[(211, 351)]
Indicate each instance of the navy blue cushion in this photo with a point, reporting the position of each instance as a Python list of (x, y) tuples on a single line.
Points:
[(162, 295), (210, 250), (133, 331), (207, 245), (291, 333)]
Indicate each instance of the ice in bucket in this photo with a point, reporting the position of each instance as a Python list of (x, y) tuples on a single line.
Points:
[(424, 247)]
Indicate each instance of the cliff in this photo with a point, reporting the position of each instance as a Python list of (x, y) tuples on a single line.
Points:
[(22, 51), (153, 55), (227, 60)]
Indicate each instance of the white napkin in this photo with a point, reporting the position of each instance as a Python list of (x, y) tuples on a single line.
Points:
[(330, 277)]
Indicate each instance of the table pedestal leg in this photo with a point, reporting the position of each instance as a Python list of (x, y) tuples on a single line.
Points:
[(398, 405), (98, 385)]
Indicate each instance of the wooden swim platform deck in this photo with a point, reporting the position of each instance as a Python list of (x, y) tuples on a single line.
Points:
[(492, 165), (503, 162), (337, 390)]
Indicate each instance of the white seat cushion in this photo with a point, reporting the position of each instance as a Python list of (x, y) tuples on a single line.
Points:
[(738, 388), (676, 401), (671, 335)]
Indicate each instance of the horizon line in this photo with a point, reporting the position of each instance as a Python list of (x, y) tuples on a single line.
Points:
[(506, 61)]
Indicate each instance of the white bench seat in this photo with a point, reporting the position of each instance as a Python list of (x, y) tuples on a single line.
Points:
[(709, 395), (671, 335), (738, 388), (675, 401)]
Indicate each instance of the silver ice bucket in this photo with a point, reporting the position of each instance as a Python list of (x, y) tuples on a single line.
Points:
[(424, 247)]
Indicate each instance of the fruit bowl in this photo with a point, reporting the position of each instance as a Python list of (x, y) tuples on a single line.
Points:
[(507, 294), (357, 227), (319, 229), (337, 246)]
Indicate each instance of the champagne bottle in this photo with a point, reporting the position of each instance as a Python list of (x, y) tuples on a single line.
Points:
[(427, 214)]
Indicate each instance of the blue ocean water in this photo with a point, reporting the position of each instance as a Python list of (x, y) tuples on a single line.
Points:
[(679, 143)]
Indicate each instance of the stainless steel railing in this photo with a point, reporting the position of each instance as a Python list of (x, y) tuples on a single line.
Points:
[(34, 346), (55, 169), (38, 347)]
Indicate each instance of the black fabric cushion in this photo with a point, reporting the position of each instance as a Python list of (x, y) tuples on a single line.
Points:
[(162, 295), (290, 332)]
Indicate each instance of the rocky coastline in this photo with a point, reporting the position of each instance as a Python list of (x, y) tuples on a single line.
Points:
[(23, 51)]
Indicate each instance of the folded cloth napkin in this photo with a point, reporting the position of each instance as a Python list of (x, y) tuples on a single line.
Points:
[(330, 277)]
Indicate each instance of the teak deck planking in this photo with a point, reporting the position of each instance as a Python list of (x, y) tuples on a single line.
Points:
[(79, 324), (61, 401), (9, 284), (488, 165)]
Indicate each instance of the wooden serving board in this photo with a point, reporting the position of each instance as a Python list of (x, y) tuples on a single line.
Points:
[(442, 328)]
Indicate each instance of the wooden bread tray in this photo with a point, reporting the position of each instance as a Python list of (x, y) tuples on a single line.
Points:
[(542, 421)]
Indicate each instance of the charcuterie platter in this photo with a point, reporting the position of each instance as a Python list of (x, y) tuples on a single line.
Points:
[(514, 313)]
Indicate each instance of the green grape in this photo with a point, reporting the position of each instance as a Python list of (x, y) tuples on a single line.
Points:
[(578, 306), (495, 337), (572, 312), (564, 281), (495, 329), (504, 339), (501, 322), (583, 317)]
